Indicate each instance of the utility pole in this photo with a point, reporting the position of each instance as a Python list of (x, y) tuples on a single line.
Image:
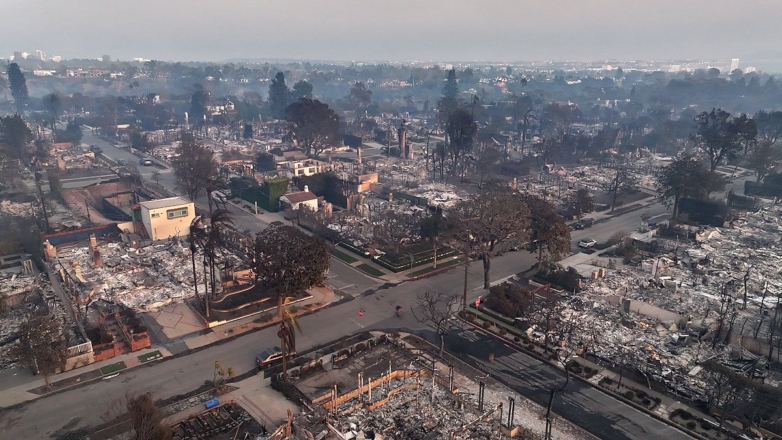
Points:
[(40, 197), (466, 267)]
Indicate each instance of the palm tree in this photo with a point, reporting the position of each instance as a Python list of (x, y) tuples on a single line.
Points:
[(287, 333), (213, 184), (212, 240), (195, 236)]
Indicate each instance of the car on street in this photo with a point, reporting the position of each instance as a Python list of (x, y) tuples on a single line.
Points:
[(145, 161), (584, 223), (122, 162), (96, 149), (270, 356), (586, 243)]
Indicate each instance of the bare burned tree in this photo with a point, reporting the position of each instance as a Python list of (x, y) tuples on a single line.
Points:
[(433, 309), (146, 418)]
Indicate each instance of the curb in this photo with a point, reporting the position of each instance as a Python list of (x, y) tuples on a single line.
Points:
[(187, 352), (599, 388)]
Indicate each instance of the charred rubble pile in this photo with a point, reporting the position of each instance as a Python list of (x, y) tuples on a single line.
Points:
[(713, 298)]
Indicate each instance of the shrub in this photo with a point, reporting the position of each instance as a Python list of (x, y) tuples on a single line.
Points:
[(705, 425), (531, 347), (690, 425), (503, 332), (606, 381), (641, 394), (470, 317), (629, 394), (516, 339), (646, 402), (486, 324)]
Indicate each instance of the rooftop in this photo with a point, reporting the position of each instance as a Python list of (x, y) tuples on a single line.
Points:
[(164, 203), (300, 196)]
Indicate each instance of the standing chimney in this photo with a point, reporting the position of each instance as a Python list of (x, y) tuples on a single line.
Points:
[(306, 188), (402, 140), (359, 155)]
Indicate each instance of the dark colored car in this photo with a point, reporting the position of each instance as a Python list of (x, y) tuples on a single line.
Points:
[(96, 149)]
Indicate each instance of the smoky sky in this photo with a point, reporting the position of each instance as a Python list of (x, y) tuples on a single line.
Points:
[(402, 30)]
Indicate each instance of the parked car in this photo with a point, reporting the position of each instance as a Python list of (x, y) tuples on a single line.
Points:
[(96, 149), (145, 161), (584, 223), (270, 356), (122, 162), (586, 243)]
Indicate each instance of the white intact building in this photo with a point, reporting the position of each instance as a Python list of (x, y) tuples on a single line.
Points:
[(166, 218)]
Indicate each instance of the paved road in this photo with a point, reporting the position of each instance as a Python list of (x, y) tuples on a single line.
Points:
[(175, 376), (580, 403), (342, 276), (178, 375)]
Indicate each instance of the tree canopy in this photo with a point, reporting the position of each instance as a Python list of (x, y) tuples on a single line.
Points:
[(495, 216), (18, 86), (549, 234), (16, 135), (194, 164), (278, 96), (313, 125), (685, 177), (42, 344)]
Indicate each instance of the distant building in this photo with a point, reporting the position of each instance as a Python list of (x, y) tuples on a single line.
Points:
[(166, 218), (56, 59), (750, 69), (39, 55), (734, 64), (106, 58)]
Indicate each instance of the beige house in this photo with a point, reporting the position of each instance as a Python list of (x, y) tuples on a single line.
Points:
[(296, 200), (166, 218)]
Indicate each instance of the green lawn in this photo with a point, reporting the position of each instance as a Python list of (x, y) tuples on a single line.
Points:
[(370, 270), (432, 269), (343, 256), (150, 356), (113, 368)]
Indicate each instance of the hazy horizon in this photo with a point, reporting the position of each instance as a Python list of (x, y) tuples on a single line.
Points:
[(350, 30)]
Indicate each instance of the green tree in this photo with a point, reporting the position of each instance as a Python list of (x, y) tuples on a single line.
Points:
[(43, 345), (146, 418), (247, 133), (719, 135), (685, 177), (287, 262), (73, 133), (450, 100), (764, 158), (198, 103), (16, 135), (313, 126), (581, 202), (495, 216), (18, 86), (487, 158), (769, 125), (461, 130), (194, 164), (221, 374), (53, 106), (433, 228), (360, 97), (549, 233), (278, 96), (139, 140), (302, 89)]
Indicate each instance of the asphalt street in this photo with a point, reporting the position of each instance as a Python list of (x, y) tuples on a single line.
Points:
[(587, 407)]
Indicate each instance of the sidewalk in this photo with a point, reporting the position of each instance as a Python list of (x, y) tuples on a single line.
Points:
[(321, 297), (662, 411)]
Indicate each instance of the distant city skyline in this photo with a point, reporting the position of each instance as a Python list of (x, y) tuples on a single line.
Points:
[(405, 30)]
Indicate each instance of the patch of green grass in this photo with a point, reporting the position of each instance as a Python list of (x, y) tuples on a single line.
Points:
[(113, 368), (150, 356), (277, 223), (432, 269), (370, 270), (343, 256)]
